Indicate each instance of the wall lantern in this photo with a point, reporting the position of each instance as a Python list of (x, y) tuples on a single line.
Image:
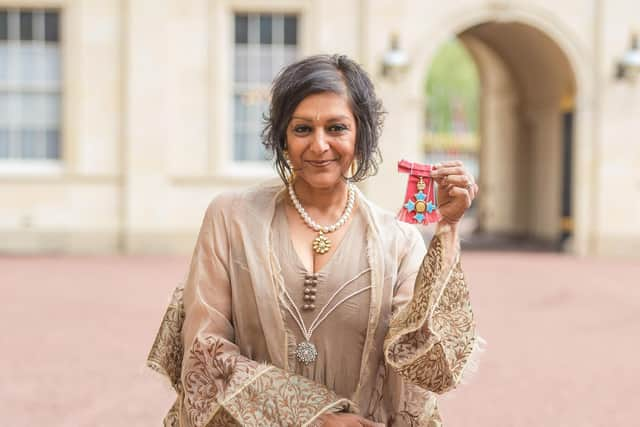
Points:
[(395, 60), (628, 67)]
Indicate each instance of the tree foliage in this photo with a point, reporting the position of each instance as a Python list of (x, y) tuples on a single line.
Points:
[(452, 90)]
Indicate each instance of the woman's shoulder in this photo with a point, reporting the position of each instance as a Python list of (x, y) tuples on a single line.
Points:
[(241, 201)]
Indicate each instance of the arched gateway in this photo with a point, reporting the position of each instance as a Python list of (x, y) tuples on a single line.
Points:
[(535, 129)]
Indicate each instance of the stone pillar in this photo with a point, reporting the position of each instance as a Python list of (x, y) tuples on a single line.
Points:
[(144, 116)]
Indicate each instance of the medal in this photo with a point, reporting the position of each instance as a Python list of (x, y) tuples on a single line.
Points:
[(419, 203)]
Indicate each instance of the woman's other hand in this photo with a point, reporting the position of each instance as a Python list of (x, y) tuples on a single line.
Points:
[(346, 420), (456, 190)]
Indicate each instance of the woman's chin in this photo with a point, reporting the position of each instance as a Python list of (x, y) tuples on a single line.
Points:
[(323, 180)]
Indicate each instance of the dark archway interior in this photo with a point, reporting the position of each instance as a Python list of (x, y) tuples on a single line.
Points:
[(526, 129)]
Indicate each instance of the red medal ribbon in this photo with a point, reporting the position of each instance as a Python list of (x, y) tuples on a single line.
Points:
[(419, 206)]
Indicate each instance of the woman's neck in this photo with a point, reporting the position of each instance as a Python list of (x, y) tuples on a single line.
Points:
[(327, 201)]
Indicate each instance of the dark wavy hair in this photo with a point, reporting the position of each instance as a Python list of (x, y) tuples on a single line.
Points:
[(325, 73)]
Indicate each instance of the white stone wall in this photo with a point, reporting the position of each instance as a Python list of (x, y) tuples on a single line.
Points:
[(617, 149), (74, 208), (147, 120)]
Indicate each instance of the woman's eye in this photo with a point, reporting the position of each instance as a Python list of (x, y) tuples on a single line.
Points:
[(338, 128), (301, 129)]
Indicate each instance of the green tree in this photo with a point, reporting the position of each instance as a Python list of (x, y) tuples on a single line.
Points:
[(452, 89)]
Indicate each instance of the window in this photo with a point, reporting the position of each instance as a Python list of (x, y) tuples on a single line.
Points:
[(30, 90), (263, 44)]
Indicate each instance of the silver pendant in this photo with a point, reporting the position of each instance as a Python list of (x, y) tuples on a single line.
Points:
[(306, 352)]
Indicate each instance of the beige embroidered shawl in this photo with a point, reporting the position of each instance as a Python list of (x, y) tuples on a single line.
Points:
[(224, 346)]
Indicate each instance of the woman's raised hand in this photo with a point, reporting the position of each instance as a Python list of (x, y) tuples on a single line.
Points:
[(456, 190), (346, 420)]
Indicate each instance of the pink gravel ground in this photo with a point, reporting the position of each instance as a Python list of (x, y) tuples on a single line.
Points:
[(562, 338)]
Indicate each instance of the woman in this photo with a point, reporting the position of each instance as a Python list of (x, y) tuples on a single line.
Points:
[(307, 305)]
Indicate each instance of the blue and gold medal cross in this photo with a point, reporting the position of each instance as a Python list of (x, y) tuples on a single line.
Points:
[(420, 206)]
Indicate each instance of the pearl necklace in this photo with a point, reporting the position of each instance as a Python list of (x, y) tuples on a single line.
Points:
[(321, 244)]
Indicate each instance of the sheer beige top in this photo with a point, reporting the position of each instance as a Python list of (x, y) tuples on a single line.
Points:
[(342, 291)]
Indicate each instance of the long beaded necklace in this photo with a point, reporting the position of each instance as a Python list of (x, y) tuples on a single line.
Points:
[(306, 351), (321, 244)]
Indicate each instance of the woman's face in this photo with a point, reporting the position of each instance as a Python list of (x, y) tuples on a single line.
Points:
[(321, 139)]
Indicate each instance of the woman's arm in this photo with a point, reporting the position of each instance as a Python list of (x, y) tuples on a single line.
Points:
[(216, 384), (431, 337)]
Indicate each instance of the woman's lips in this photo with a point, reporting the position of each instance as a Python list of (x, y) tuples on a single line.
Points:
[(319, 163)]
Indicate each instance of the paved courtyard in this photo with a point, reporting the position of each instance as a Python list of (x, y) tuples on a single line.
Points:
[(563, 341)]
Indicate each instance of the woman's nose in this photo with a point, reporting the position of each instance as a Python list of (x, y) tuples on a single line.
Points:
[(319, 143)]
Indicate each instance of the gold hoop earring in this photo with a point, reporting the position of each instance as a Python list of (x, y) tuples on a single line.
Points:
[(353, 168), (292, 172)]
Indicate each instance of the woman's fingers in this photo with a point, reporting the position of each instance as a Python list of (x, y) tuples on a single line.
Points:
[(457, 180), (367, 423), (462, 181), (448, 163), (448, 170), (347, 420), (462, 194), (453, 174)]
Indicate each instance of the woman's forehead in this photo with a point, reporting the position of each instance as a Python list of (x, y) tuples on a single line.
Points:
[(324, 105)]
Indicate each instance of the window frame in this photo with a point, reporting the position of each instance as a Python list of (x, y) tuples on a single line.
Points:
[(14, 164), (252, 83), (220, 165)]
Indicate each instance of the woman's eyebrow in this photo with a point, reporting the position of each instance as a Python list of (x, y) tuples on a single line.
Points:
[(330, 119), (337, 118), (306, 119)]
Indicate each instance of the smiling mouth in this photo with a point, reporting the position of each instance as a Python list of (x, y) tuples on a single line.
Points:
[(319, 163)]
